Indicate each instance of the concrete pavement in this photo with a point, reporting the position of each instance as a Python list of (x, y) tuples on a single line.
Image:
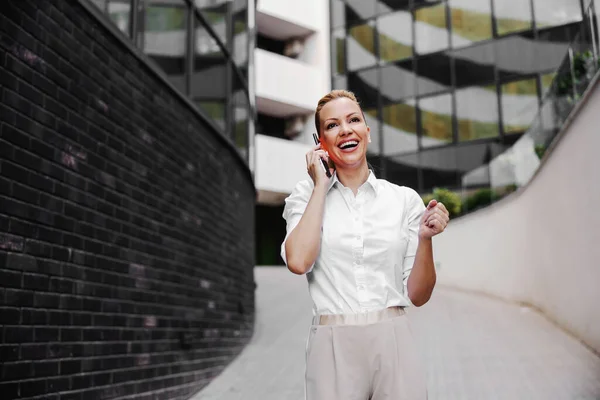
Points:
[(473, 347)]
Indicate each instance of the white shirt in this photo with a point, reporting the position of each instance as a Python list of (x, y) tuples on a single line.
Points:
[(368, 244)]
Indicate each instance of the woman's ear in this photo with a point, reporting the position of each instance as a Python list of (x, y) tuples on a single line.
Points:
[(369, 138)]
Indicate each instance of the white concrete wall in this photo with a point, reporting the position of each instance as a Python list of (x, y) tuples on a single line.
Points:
[(304, 13), (280, 164), (285, 80), (541, 245)]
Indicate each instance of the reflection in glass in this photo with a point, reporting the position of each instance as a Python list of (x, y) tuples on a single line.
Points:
[(556, 12), (215, 13), (358, 10), (165, 39), (241, 117), (239, 49), (209, 78), (434, 73), (372, 121), (439, 169), (519, 105), (360, 46), (474, 65), (338, 51), (512, 16), (477, 112), (338, 13), (365, 86), (431, 30), (387, 6), (397, 81), (400, 127), (436, 120), (395, 36), (471, 21), (547, 80), (118, 11), (402, 171)]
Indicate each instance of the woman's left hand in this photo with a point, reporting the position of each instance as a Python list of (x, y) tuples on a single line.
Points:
[(434, 220)]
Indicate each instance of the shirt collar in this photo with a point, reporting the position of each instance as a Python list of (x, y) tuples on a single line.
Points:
[(371, 180)]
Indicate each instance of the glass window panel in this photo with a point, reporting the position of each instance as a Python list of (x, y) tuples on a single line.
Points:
[(365, 86), (209, 78), (338, 13), (360, 47), (436, 120), (215, 13), (477, 112), (512, 16), (474, 65), (340, 82), (359, 10), (397, 81), (338, 49), (241, 117), (239, 46), (471, 21), (372, 120), (387, 6), (395, 36), (556, 12), (519, 105), (439, 169), (433, 73), (399, 127), (165, 39), (431, 30), (119, 12), (547, 80), (403, 171)]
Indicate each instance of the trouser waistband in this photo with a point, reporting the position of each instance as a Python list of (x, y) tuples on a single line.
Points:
[(365, 318)]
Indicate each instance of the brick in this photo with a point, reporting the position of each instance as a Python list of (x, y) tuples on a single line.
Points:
[(9, 316), (18, 334)]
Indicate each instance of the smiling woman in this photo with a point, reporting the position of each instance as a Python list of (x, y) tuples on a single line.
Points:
[(365, 246)]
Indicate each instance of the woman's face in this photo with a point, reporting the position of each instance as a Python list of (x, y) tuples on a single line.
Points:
[(344, 132)]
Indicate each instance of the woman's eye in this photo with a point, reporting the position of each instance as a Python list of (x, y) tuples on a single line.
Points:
[(330, 125), (355, 119)]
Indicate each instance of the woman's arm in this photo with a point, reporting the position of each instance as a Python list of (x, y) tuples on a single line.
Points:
[(304, 242), (422, 277)]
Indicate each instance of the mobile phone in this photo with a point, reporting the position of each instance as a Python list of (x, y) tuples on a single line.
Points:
[(316, 138)]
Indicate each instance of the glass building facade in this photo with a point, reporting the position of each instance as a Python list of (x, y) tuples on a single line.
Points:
[(202, 48), (447, 85)]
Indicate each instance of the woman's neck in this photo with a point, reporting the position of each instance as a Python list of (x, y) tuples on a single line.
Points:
[(353, 178)]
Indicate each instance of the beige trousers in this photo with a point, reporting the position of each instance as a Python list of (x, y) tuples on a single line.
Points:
[(369, 356)]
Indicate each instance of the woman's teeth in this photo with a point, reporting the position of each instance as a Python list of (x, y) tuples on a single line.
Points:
[(349, 144)]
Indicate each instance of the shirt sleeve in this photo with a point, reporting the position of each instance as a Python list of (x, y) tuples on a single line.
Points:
[(415, 210), (295, 204)]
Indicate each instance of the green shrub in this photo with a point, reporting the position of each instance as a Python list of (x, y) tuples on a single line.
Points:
[(450, 199), (480, 198)]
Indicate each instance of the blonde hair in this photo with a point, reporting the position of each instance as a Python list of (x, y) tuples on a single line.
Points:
[(334, 94)]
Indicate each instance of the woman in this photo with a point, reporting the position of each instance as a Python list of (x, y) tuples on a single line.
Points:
[(365, 245)]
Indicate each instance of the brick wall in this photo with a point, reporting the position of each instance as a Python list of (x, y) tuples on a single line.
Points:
[(126, 223)]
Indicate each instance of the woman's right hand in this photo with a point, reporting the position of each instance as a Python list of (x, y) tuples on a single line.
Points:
[(314, 166)]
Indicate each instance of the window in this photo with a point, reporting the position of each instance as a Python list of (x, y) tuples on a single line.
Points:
[(433, 73), (556, 12), (209, 78), (431, 29), (359, 10), (477, 112), (338, 50), (435, 113), (512, 16), (397, 81), (360, 47), (165, 39), (400, 127), (395, 36), (474, 65), (365, 86), (471, 21), (519, 105), (215, 12)]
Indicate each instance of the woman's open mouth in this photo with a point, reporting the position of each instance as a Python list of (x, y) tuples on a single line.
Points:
[(349, 146)]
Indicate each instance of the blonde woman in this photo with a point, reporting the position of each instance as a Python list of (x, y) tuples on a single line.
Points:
[(366, 247)]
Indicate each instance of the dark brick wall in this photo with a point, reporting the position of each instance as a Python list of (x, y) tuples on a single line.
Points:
[(126, 223)]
